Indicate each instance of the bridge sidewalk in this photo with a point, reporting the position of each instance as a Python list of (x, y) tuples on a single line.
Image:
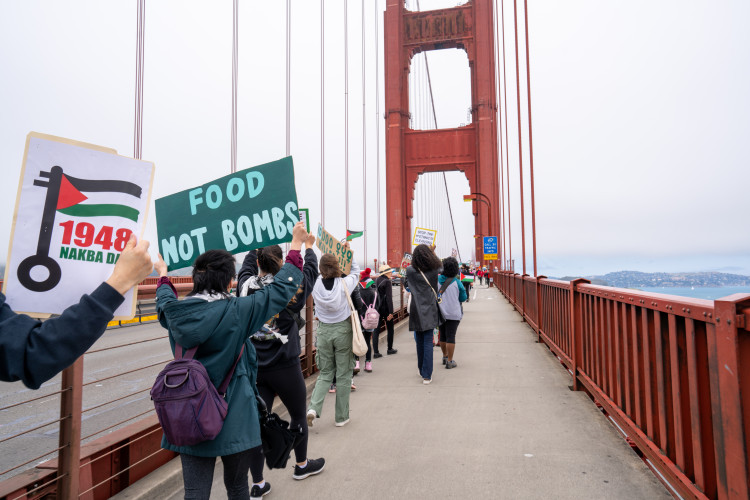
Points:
[(503, 424)]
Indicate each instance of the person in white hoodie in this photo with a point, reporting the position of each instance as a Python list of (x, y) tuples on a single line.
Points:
[(334, 354)]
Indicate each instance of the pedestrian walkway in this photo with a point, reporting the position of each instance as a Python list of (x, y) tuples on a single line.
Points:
[(503, 424)]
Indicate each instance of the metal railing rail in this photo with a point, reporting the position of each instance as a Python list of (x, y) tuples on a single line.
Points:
[(673, 373)]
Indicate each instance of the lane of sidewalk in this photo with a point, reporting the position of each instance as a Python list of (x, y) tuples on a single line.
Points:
[(503, 424)]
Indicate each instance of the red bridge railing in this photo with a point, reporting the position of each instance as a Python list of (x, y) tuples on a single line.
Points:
[(672, 372)]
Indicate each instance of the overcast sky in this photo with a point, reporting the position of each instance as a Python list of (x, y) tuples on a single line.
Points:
[(641, 115)]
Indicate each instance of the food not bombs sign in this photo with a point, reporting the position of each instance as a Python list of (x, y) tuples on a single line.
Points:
[(249, 209), (76, 208)]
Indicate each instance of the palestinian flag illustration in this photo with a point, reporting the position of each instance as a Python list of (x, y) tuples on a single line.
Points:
[(71, 200), (350, 235), (467, 278)]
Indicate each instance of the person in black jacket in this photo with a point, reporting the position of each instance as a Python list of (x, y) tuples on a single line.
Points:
[(34, 352), (367, 297), (277, 344), (385, 308)]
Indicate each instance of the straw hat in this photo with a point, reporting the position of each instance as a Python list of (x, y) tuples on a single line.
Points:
[(385, 268)]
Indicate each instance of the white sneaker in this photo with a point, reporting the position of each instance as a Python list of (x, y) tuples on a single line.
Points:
[(426, 381), (341, 424), (311, 414)]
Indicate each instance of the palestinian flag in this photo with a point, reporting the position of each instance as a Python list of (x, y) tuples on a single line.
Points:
[(350, 235), (71, 200), (467, 278)]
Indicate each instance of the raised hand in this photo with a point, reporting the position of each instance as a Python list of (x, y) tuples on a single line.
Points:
[(132, 267)]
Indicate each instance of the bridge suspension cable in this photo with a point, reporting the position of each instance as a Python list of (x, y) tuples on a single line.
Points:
[(322, 114), (531, 142), (509, 247), (139, 59), (235, 48), (364, 136), (520, 148), (377, 121), (346, 111)]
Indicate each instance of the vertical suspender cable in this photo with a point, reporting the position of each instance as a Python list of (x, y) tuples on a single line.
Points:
[(322, 115), (138, 122), (233, 154), (364, 134), (288, 77), (377, 118), (520, 152), (531, 144), (500, 142), (346, 110), (445, 181), (507, 144)]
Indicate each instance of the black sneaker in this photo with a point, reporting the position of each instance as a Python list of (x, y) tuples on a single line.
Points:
[(377, 355), (445, 360), (256, 493), (314, 466), (392, 351)]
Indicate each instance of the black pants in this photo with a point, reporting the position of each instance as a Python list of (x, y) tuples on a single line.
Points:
[(376, 334), (289, 384), (448, 331), (198, 474), (367, 334)]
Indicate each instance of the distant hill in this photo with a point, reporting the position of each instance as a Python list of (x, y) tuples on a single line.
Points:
[(637, 279)]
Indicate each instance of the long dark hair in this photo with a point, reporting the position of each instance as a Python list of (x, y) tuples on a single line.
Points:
[(450, 267), (213, 271), (424, 259), (268, 259)]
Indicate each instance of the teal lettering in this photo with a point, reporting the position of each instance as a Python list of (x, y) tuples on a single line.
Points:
[(255, 183), (185, 246), (278, 222), (198, 233), (195, 199), (239, 189), (262, 222), (230, 240), (245, 229), (291, 210), (213, 197), (169, 250)]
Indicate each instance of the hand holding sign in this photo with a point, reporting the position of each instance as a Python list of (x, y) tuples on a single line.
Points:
[(299, 234), (132, 267)]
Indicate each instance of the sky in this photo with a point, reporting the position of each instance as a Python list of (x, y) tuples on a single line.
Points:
[(640, 116)]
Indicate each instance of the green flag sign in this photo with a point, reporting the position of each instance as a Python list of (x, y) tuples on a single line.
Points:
[(249, 209)]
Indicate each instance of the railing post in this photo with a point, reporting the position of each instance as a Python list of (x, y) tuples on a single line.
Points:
[(539, 308), (576, 330), (69, 458), (523, 296), (728, 377), (309, 336)]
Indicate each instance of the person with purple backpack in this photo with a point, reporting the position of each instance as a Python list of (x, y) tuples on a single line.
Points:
[(219, 325)]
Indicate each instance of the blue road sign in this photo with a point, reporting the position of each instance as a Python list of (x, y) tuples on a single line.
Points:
[(490, 248)]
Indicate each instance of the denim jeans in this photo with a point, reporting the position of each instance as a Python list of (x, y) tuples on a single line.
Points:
[(424, 352)]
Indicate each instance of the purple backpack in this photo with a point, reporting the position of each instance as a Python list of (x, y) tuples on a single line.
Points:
[(189, 408)]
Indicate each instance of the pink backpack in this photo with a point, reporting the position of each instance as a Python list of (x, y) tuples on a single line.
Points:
[(371, 319)]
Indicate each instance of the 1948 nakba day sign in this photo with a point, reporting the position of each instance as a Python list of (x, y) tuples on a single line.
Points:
[(252, 208), (76, 208)]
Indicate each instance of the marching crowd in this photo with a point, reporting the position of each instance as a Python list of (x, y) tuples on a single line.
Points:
[(248, 343)]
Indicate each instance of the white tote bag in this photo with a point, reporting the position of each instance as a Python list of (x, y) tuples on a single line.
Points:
[(359, 345)]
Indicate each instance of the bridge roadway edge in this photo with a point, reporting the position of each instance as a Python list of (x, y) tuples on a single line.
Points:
[(525, 434)]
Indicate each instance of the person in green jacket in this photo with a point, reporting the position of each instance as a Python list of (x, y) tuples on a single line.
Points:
[(220, 324)]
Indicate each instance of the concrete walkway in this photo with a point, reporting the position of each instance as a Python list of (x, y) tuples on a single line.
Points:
[(503, 424)]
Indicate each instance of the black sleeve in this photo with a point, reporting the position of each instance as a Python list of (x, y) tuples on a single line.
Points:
[(249, 268), (33, 351), (310, 272), (385, 295)]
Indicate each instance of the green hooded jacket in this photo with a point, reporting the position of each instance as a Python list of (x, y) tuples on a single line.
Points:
[(220, 328)]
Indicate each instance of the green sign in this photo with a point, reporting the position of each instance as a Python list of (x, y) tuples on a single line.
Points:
[(304, 216), (249, 209)]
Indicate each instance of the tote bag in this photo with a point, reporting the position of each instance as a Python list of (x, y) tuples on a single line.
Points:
[(359, 346)]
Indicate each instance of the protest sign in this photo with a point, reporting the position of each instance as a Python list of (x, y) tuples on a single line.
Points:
[(76, 208), (405, 262), (252, 208), (328, 244), (424, 236), (304, 216)]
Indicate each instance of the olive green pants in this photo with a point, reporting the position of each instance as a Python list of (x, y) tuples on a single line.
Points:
[(334, 357)]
